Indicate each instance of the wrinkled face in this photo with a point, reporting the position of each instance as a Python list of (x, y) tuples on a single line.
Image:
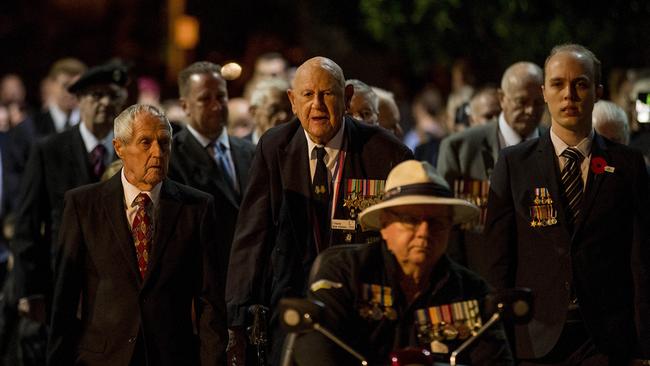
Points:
[(570, 90), (274, 110), (523, 106), (100, 104), (417, 234), (484, 108), (319, 101), (362, 109), (206, 104), (59, 89), (146, 155)]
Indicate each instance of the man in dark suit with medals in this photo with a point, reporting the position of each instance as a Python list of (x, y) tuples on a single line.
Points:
[(466, 159), (302, 174), (567, 217)]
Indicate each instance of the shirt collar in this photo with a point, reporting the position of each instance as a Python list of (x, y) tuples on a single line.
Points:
[(332, 147), (131, 192), (204, 141), (584, 146), (509, 135), (59, 117), (90, 141)]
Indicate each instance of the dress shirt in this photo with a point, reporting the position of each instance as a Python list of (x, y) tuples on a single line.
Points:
[(59, 117), (508, 136), (584, 146), (332, 150), (131, 192), (90, 142), (222, 139)]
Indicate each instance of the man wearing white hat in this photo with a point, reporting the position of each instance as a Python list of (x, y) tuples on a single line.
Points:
[(398, 292)]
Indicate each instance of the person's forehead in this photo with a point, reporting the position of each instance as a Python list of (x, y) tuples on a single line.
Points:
[(316, 76), (565, 61), (212, 78)]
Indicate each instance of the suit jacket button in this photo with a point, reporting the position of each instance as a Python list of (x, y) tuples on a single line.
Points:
[(132, 340)]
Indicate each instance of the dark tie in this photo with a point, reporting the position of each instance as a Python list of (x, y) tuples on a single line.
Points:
[(572, 181), (97, 160), (321, 194), (142, 232)]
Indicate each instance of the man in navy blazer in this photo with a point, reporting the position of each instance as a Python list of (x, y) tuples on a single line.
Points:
[(275, 240), (584, 252)]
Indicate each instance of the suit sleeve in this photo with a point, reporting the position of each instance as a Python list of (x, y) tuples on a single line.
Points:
[(64, 332), (641, 256), (213, 332), (252, 242), (30, 248), (313, 348), (448, 166), (500, 228)]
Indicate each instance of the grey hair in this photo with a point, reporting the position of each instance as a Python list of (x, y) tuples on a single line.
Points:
[(264, 87), (608, 113), (123, 126), (521, 73), (362, 88)]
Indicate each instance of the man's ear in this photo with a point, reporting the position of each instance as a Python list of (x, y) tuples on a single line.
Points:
[(349, 92), (183, 102), (544, 94), (502, 97), (117, 145), (291, 97)]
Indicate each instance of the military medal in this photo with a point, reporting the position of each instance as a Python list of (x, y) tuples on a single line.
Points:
[(476, 192), (542, 212)]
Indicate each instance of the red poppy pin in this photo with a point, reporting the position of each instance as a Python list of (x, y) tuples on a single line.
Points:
[(599, 165)]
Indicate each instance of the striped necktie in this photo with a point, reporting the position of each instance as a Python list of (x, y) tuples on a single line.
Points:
[(572, 181)]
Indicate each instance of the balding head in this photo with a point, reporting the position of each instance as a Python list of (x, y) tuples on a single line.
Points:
[(319, 98), (521, 97)]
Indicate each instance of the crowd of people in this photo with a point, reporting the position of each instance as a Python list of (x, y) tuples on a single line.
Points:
[(156, 233)]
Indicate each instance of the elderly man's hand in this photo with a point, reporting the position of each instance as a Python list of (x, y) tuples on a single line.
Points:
[(32, 308)]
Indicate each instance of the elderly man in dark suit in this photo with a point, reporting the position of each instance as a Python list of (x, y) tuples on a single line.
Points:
[(205, 157), (299, 200), (56, 164), (568, 218), (466, 159), (135, 259)]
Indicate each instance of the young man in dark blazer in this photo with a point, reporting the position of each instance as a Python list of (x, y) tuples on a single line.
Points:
[(223, 174), (284, 219), (136, 259), (568, 218)]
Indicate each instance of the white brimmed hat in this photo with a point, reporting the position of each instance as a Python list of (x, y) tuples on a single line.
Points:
[(416, 183)]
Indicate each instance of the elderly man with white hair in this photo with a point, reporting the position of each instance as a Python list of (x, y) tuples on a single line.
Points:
[(610, 121)]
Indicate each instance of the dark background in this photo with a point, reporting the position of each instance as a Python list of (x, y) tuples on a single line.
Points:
[(401, 45)]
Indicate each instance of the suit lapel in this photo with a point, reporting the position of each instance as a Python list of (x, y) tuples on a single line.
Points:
[(594, 181), (549, 174), (293, 160), (490, 149), (114, 211), (76, 150), (166, 214), (203, 166), (242, 165)]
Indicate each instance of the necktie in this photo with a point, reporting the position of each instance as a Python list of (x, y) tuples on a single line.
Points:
[(141, 230), (97, 160), (320, 187), (221, 156), (572, 181)]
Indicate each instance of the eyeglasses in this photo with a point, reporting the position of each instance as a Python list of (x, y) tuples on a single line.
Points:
[(412, 222)]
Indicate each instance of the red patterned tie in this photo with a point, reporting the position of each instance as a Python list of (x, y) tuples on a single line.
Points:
[(141, 230)]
